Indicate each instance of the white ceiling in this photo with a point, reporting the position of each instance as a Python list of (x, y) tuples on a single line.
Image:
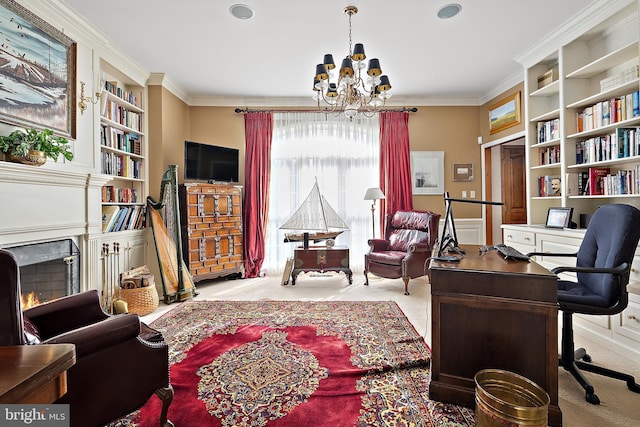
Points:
[(209, 54)]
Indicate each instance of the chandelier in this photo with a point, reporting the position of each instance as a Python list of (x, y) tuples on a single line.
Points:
[(351, 93)]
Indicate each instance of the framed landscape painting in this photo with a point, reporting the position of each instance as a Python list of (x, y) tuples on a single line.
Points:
[(37, 72), (504, 114)]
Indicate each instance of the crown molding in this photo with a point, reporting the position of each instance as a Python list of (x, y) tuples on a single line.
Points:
[(511, 81), (161, 79), (571, 29)]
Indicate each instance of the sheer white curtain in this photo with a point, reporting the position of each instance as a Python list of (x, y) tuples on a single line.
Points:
[(343, 156)]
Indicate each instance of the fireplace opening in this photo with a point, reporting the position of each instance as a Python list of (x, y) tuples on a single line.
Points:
[(48, 270)]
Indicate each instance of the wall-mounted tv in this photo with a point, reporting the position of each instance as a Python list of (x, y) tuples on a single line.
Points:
[(204, 162)]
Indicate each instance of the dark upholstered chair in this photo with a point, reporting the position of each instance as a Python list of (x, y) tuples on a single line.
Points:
[(120, 362), (602, 271), (409, 238)]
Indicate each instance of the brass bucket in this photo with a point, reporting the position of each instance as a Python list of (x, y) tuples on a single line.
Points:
[(506, 399)]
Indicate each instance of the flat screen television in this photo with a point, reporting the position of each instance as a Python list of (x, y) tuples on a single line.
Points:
[(212, 163)]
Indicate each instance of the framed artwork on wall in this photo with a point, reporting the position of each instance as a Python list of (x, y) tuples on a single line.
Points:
[(37, 72), (462, 172), (504, 114), (427, 172)]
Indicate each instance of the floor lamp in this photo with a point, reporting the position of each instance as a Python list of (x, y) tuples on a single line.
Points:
[(373, 194)]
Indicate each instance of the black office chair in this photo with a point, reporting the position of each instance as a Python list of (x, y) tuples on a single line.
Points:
[(602, 269)]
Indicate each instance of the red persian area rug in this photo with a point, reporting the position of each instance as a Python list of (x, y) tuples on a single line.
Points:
[(295, 363)]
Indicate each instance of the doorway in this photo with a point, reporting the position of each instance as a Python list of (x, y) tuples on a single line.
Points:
[(505, 181)]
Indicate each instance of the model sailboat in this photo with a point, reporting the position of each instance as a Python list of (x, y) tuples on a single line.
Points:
[(316, 219)]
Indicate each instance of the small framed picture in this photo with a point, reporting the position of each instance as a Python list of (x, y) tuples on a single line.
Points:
[(462, 172), (559, 217)]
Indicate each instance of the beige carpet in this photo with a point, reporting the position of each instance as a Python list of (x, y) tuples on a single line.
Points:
[(619, 406)]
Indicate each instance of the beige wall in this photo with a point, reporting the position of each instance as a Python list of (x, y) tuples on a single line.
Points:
[(454, 130), (169, 126)]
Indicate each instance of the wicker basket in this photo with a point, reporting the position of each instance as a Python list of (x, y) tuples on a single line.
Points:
[(141, 301)]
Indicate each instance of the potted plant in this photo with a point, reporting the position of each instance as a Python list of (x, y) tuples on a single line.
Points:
[(33, 146)]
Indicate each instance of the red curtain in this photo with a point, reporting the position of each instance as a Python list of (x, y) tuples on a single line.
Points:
[(258, 128), (395, 163)]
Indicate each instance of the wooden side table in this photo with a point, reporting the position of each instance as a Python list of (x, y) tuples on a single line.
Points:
[(321, 259), (35, 373)]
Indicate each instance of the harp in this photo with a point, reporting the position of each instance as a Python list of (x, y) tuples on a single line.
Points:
[(164, 215)]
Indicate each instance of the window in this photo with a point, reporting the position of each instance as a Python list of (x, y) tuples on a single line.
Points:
[(343, 156)]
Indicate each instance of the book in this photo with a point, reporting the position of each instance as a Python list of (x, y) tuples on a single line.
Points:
[(120, 219), (572, 180), (109, 213), (596, 180)]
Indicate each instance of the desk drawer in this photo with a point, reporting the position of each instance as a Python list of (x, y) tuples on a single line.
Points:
[(627, 323), (521, 237)]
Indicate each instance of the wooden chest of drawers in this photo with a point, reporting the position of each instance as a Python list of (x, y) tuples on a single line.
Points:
[(211, 221)]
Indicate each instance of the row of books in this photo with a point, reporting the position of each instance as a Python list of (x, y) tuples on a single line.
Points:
[(121, 165), (120, 140), (607, 112), (119, 114), (619, 79), (624, 142), (548, 130), (549, 155), (549, 185), (121, 218), (587, 183), (127, 95), (622, 182), (112, 194)]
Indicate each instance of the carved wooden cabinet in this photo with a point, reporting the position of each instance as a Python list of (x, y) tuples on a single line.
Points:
[(211, 225)]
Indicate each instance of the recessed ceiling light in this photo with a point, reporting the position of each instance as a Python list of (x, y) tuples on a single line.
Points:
[(241, 11), (449, 11)]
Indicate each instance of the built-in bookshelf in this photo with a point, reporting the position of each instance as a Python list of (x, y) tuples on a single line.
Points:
[(582, 120), (123, 153)]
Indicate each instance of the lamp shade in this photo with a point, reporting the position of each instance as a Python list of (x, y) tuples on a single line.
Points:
[(321, 72), (328, 62), (358, 52), (374, 67), (374, 194)]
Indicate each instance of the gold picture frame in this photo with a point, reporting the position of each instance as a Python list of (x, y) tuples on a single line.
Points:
[(504, 114)]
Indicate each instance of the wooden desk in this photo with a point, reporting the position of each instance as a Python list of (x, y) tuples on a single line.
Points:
[(34, 373), (321, 258), (488, 312)]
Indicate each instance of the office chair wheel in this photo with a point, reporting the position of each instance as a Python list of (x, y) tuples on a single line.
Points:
[(592, 398), (586, 358)]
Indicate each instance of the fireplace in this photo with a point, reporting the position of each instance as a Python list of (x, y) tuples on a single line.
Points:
[(48, 270)]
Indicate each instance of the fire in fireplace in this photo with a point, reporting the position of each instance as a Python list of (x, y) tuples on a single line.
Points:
[(48, 270)]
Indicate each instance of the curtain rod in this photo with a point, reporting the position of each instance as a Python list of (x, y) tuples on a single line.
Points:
[(248, 110)]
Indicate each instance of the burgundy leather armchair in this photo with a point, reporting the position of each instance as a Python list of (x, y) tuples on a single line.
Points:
[(409, 238), (120, 361)]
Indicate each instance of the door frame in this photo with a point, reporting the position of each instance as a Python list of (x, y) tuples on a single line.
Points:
[(487, 194)]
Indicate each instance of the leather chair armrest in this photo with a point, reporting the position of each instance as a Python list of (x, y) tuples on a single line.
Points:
[(64, 314), (418, 247), (378, 245), (107, 333)]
